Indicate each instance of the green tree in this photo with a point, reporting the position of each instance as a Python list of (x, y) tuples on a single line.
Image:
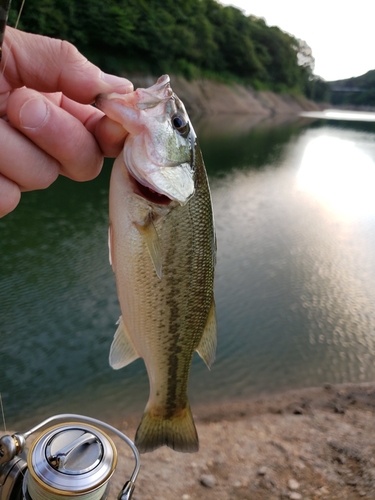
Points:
[(192, 37)]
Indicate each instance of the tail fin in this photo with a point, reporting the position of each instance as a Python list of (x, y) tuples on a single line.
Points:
[(178, 432)]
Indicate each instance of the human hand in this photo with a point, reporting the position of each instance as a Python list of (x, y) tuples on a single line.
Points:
[(47, 126)]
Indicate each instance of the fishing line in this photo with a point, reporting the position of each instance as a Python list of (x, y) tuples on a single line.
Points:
[(2, 412), (3, 33), (4, 9), (19, 14)]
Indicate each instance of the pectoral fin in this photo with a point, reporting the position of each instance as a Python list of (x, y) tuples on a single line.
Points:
[(207, 346), (152, 241), (122, 351)]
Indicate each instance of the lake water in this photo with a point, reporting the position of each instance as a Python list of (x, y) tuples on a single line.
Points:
[(295, 286)]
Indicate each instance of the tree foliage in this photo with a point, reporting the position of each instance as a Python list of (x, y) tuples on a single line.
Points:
[(356, 91), (191, 37)]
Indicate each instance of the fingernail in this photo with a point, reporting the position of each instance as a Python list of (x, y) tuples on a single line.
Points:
[(122, 85), (33, 113)]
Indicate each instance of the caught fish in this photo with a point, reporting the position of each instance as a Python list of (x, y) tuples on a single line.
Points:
[(163, 252)]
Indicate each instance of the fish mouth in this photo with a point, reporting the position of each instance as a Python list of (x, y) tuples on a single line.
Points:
[(149, 194)]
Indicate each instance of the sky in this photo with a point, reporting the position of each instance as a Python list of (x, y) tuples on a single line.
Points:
[(340, 33)]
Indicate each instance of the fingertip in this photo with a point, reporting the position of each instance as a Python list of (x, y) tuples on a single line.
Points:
[(110, 136), (117, 83), (59, 66), (10, 195), (88, 172), (27, 109)]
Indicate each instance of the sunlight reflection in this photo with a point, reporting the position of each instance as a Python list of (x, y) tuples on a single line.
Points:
[(340, 173), (341, 114)]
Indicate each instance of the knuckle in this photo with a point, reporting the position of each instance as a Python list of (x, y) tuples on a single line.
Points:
[(46, 175), (10, 196)]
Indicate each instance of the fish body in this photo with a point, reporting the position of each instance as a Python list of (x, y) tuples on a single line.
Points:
[(162, 249)]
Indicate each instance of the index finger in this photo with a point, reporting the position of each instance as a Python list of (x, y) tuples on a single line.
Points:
[(50, 65)]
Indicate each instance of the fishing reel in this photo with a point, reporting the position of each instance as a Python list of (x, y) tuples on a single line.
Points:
[(67, 460)]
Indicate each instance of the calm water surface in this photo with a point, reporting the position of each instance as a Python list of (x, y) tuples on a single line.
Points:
[(295, 289)]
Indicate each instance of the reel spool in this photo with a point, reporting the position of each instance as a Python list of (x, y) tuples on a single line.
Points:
[(68, 460)]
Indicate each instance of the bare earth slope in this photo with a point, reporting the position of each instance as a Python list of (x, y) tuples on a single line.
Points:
[(209, 97), (308, 444)]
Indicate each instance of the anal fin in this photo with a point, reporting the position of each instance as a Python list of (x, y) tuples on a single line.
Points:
[(122, 351), (207, 345)]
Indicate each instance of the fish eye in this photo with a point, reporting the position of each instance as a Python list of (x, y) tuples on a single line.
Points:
[(179, 123)]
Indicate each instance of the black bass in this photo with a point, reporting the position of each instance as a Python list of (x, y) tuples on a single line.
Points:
[(163, 252)]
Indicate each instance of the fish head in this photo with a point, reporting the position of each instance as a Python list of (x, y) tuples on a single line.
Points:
[(159, 151)]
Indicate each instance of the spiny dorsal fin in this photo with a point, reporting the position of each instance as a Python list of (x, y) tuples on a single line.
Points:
[(207, 346), (122, 351), (151, 238)]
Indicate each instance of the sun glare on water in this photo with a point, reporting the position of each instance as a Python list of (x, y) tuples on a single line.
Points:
[(340, 173)]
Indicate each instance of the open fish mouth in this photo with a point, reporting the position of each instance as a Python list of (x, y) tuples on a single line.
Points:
[(148, 193)]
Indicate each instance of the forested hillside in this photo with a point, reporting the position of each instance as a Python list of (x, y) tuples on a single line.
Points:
[(357, 91), (194, 38)]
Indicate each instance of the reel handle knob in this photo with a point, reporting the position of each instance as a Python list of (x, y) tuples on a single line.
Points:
[(8, 449)]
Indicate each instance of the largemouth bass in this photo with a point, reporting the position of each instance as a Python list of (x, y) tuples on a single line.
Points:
[(163, 251)]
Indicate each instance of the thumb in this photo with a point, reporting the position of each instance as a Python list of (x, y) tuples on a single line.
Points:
[(50, 65)]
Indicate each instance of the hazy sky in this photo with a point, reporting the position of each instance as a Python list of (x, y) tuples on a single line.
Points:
[(340, 33)]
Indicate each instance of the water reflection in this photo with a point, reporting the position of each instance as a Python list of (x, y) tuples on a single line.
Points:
[(338, 114), (295, 284), (294, 288), (340, 170)]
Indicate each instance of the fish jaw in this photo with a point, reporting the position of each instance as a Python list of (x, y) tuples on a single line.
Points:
[(176, 183), (157, 155)]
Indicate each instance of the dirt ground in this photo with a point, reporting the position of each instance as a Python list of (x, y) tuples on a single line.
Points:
[(311, 444)]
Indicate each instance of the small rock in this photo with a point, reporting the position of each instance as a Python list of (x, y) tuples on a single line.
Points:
[(237, 484), (293, 484), (295, 496), (341, 459), (352, 482), (262, 471), (298, 410), (339, 409), (185, 496), (267, 483), (322, 491), (208, 480)]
